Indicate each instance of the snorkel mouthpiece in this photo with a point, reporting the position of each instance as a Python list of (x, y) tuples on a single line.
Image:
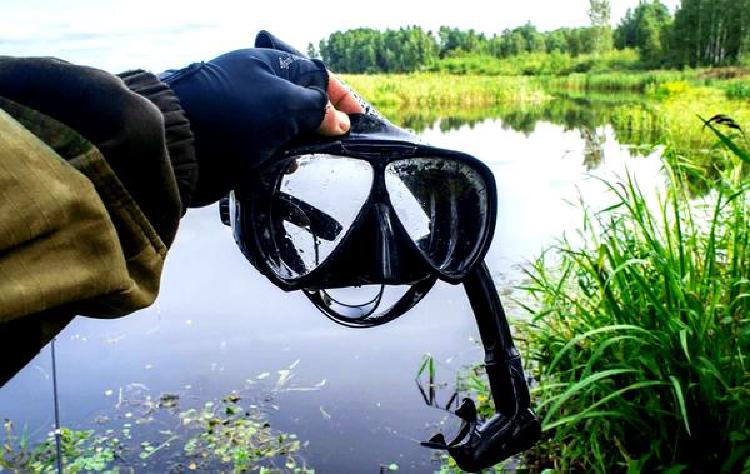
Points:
[(481, 445)]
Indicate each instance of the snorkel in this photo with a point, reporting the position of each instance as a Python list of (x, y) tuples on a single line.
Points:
[(379, 207)]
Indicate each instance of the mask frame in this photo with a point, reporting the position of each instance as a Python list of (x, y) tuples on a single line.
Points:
[(402, 263)]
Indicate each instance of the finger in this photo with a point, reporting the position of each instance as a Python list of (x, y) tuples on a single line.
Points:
[(334, 122), (342, 98)]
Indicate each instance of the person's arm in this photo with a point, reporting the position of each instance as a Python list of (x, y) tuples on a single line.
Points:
[(72, 239), (240, 107)]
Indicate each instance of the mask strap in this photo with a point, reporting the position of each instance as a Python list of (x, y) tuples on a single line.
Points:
[(322, 300), (375, 302)]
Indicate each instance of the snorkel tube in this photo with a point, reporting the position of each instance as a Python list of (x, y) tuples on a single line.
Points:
[(299, 240), (515, 427)]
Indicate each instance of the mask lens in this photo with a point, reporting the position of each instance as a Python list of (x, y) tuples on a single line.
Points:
[(443, 206), (315, 201)]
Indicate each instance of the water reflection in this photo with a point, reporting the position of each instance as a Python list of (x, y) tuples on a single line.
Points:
[(593, 148), (632, 119)]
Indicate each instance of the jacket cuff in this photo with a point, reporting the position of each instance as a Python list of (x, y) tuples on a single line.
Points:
[(179, 136)]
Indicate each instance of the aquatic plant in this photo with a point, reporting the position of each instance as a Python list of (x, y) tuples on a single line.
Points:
[(82, 450), (240, 438), (216, 437), (159, 435)]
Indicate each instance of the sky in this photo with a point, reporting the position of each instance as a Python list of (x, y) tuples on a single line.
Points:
[(160, 34)]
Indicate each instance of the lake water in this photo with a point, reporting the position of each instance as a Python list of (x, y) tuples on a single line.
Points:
[(219, 326)]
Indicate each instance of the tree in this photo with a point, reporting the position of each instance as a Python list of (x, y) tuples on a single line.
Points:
[(557, 40), (311, 52), (600, 13), (711, 33), (365, 50), (647, 28), (625, 33), (454, 41), (533, 39), (649, 33)]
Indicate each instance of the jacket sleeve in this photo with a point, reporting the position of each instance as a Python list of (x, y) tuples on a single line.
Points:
[(89, 200), (72, 239), (127, 128), (178, 134)]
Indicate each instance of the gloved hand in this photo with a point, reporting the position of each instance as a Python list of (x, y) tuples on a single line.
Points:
[(243, 106)]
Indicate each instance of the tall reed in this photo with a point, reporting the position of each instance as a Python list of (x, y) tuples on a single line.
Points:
[(640, 330)]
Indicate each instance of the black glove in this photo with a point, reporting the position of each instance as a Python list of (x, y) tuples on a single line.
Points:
[(243, 106)]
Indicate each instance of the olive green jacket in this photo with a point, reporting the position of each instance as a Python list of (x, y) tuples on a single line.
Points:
[(71, 235), (96, 171), (72, 239)]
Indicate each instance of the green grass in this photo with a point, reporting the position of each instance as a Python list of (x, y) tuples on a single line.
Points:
[(641, 82), (738, 89), (677, 113), (640, 331), (443, 90), (466, 86), (615, 71)]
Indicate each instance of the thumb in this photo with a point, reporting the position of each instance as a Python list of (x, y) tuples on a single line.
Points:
[(335, 122)]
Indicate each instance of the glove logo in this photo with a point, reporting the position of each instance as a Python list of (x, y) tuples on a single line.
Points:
[(285, 62)]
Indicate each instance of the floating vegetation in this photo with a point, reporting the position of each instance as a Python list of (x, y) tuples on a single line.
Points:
[(238, 437), (82, 450), (157, 434)]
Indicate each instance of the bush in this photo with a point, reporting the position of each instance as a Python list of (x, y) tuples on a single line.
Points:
[(738, 90), (535, 64)]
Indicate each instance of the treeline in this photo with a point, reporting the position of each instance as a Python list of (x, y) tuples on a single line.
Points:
[(369, 51), (700, 33), (365, 50)]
